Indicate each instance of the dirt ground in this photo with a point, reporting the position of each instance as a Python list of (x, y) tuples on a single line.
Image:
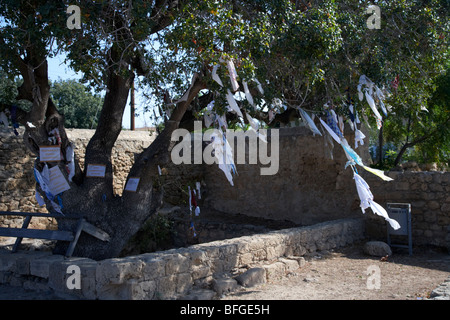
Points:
[(345, 274)]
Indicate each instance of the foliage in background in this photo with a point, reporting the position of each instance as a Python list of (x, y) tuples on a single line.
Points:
[(79, 106), (8, 91), (424, 130)]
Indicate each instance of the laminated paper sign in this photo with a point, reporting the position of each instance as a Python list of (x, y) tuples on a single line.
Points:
[(96, 171), (132, 184), (57, 181), (50, 153)]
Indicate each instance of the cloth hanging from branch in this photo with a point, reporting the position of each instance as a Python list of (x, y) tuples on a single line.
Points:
[(330, 131), (224, 154), (359, 138), (309, 122), (332, 122), (366, 198), (248, 95), (232, 104)]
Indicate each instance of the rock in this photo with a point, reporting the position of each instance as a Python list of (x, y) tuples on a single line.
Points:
[(290, 264), (252, 277), (275, 271), (442, 292), (224, 286), (199, 294), (377, 249)]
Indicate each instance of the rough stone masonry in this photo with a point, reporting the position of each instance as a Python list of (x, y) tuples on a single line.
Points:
[(310, 186), (204, 271)]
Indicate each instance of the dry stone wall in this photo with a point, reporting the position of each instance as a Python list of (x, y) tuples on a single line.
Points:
[(17, 182), (429, 196), (310, 186), (198, 271)]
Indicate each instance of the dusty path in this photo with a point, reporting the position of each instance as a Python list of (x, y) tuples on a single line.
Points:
[(344, 275)]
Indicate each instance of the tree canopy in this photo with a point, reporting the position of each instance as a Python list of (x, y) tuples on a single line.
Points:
[(305, 56), (422, 134)]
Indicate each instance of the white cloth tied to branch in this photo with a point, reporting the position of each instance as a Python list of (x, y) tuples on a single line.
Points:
[(233, 104), (248, 96), (352, 155), (309, 122), (359, 138), (215, 76), (366, 197), (233, 75), (4, 119), (369, 91), (330, 131), (224, 154)]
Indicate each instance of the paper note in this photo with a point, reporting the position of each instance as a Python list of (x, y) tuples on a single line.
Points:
[(95, 171), (57, 181), (50, 153), (132, 184)]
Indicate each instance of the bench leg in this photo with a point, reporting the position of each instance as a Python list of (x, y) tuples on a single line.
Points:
[(25, 224), (73, 243)]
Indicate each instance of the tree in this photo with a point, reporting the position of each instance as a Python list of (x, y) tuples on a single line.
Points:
[(76, 103), (427, 130), (8, 91), (78, 106), (303, 53)]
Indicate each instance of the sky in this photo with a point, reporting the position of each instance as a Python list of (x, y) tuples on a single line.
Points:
[(57, 69)]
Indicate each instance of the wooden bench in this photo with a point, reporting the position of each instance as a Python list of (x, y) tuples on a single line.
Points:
[(61, 235)]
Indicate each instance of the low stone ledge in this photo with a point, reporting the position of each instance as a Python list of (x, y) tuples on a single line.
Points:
[(176, 273), (41, 267)]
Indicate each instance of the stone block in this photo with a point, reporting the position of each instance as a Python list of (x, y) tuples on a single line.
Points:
[(402, 186), (377, 248), (139, 290), (41, 267), (301, 261), (19, 262), (184, 282), (224, 286), (117, 291), (275, 271), (245, 259), (176, 263), (433, 205), (252, 277), (154, 267), (118, 270), (198, 257), (290, 265), (274, 252), (62, 279), (199, 294), (199, 272), (166, 287)]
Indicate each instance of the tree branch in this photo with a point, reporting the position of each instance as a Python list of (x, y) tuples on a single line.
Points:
[(163, 13), (419, 140)]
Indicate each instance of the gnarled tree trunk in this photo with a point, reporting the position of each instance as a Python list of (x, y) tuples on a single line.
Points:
[(93, 198)]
